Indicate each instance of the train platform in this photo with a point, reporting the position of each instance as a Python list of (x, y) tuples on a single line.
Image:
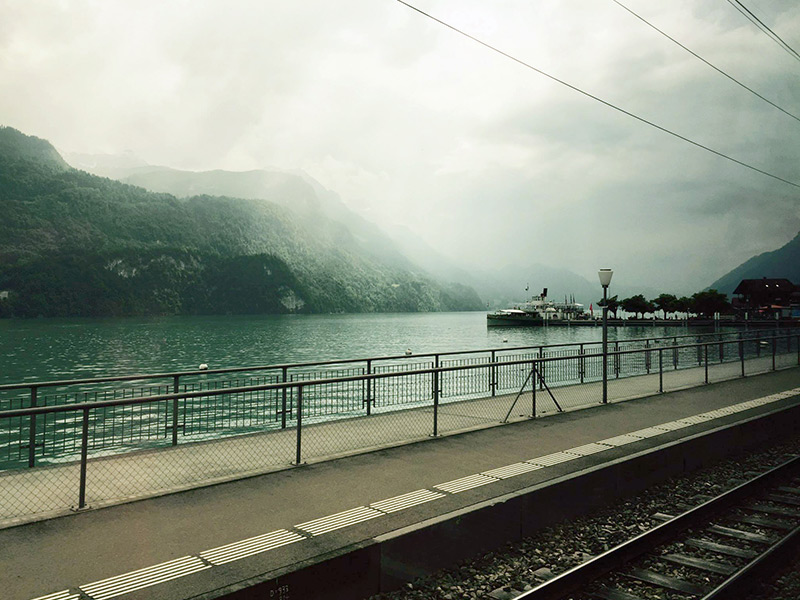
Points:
[(323, 521)]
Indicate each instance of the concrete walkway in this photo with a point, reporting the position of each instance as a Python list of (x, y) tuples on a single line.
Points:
[(189, 544), (53, 490)]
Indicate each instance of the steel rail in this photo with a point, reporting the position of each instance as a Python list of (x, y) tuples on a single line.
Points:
[(734, 587), (578, 577)]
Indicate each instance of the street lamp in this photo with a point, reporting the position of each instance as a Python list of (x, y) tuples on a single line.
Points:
[(605, 280)]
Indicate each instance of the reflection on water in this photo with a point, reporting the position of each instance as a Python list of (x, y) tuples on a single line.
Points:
[(47, 349)]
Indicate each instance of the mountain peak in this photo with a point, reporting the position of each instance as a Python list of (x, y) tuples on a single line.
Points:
[(15, 145), (781, 263)]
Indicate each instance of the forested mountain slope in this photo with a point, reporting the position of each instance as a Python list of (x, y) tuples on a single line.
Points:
[(72, 243)]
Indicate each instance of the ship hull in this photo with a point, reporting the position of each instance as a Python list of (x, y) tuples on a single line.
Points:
[(503, 320)]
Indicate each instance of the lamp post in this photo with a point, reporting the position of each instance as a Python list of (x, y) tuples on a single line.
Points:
[(605, 280)]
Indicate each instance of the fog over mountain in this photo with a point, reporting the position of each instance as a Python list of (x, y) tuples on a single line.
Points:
[(415, 127), (75, 244)]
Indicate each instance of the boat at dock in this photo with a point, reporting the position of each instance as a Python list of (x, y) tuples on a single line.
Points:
[(539, 312)]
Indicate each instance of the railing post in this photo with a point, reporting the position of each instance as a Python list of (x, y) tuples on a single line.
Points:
[(298, 450), (741, 354), (581, 363), (541, 355), (175, 389), (674, 353), (493, 374), (647, 356), (533, 390), (616, 360), (84, 458), (774, 349), (660, 370), (284, 376), (435, 390), (705, 346), (32, 429), (369, 387)]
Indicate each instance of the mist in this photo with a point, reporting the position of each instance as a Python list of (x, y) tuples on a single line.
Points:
[(418, 128)]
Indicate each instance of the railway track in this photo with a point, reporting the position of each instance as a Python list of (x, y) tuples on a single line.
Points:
[(713, 551)]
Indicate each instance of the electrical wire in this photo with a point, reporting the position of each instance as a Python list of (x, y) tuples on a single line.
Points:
[(764, 27), (597, 98), (697, 56)]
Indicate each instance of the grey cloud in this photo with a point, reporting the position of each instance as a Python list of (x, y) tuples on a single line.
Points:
[(415, 126)]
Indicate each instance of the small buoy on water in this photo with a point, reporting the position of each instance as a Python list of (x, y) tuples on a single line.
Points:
[(408, 352), (505, 340), (203, 367)]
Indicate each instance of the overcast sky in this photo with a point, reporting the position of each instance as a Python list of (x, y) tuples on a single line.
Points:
[(414, 125)]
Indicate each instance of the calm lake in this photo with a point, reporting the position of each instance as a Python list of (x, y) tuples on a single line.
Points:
[(48, 349)]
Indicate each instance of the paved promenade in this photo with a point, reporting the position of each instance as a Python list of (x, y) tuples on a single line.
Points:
[(188, 544)]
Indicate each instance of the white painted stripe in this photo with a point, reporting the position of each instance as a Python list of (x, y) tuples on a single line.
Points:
[(695, 419), (588, 449), (552, 459), (720, 412), (512, 470), (749, 404), (465, 483), (63, 595), (647, 432), (406, 500), (620, 440), (137, 580), (250, 546), (672, 426), (339, 520)]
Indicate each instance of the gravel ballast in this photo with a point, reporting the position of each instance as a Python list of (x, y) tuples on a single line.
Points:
[(553, 550)]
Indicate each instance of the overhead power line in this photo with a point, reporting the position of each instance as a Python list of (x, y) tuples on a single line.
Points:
[(764, 27), (597, 98), (697, 56)]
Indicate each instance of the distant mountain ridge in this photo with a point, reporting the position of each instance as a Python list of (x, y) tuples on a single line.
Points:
[(315, 205), (72, 243), (781, 263)]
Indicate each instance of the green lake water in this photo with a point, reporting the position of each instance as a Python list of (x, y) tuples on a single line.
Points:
[(48, 349)]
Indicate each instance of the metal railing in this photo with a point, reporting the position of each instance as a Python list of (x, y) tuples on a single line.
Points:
[(148, 384), (219, 410), (308, 418)]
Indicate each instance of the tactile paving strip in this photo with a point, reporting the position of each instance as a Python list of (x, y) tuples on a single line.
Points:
[(552, 459), (512, 470), (339, 520), (250, 546), (137, 580), (588, 449), (672, 425), (647, 432), (63, 595), (620, 440), (406, 500), (696, 419), (465, 483)]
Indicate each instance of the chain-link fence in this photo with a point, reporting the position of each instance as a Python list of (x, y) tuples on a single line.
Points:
[(97, 449)]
